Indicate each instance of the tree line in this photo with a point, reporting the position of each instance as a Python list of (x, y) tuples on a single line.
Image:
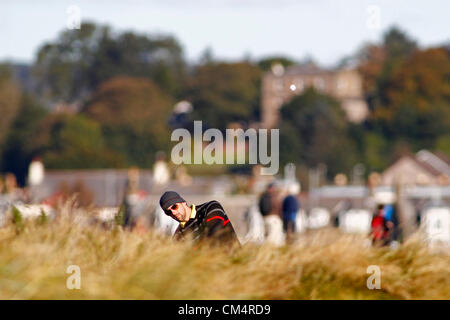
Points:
[(122, 88)]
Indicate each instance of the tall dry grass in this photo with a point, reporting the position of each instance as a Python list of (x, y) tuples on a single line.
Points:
[(117, 264)]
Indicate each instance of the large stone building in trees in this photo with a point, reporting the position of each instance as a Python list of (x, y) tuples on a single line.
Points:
[(280, 85)]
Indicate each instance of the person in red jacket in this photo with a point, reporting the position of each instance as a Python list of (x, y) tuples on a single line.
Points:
[(379, 228)]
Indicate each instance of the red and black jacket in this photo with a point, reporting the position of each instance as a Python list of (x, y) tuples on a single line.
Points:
[(210, 222)]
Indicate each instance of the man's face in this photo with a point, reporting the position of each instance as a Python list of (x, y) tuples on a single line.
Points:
[(179, 211)]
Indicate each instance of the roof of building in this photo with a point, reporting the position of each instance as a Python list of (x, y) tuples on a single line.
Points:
[(308, 68), (435, 163), (431, 163)]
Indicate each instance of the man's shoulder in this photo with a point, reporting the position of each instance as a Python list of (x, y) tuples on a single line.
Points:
[(211, 207), (208, 205)]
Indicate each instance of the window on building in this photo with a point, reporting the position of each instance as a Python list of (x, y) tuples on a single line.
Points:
[(319, 84), (342, 85), (299, 85), (277, 85)]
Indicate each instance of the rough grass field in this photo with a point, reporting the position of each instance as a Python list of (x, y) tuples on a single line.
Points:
[(117, 264)]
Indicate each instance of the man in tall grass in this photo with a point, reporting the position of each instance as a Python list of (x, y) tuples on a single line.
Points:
[(207, 221)]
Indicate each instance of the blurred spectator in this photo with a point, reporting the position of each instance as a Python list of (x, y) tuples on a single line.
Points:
[(380, 228), (10, 183), (267, 200), (273, 225), (390, 214), (290, 208), (134, 203), (161, 174), (36, 173), (255, 226), (12, 190)]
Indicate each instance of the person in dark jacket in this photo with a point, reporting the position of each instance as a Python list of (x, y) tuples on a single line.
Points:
[(207, 221), (290, 208), (267, 200)]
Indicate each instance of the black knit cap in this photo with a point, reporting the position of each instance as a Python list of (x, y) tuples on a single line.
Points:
[(168, 199)]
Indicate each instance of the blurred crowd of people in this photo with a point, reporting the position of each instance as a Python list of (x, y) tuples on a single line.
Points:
[(10, 190), (278, 218), (274, 219)]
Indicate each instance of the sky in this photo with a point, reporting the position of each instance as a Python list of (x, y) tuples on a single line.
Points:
[(326, 30)]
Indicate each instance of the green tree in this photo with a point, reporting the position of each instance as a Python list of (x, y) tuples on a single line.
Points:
[(419, 98), (74, 142), (225, 92), (133, 114), (443, 144), (377, 152), (378, 62), (9, 101), (314, 129), (63, 67), (266, 63), (20, 147), (71, 67), (398, 47), (371, 59), (290, 143), (157, 58), (398, 44), (408, 92)]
